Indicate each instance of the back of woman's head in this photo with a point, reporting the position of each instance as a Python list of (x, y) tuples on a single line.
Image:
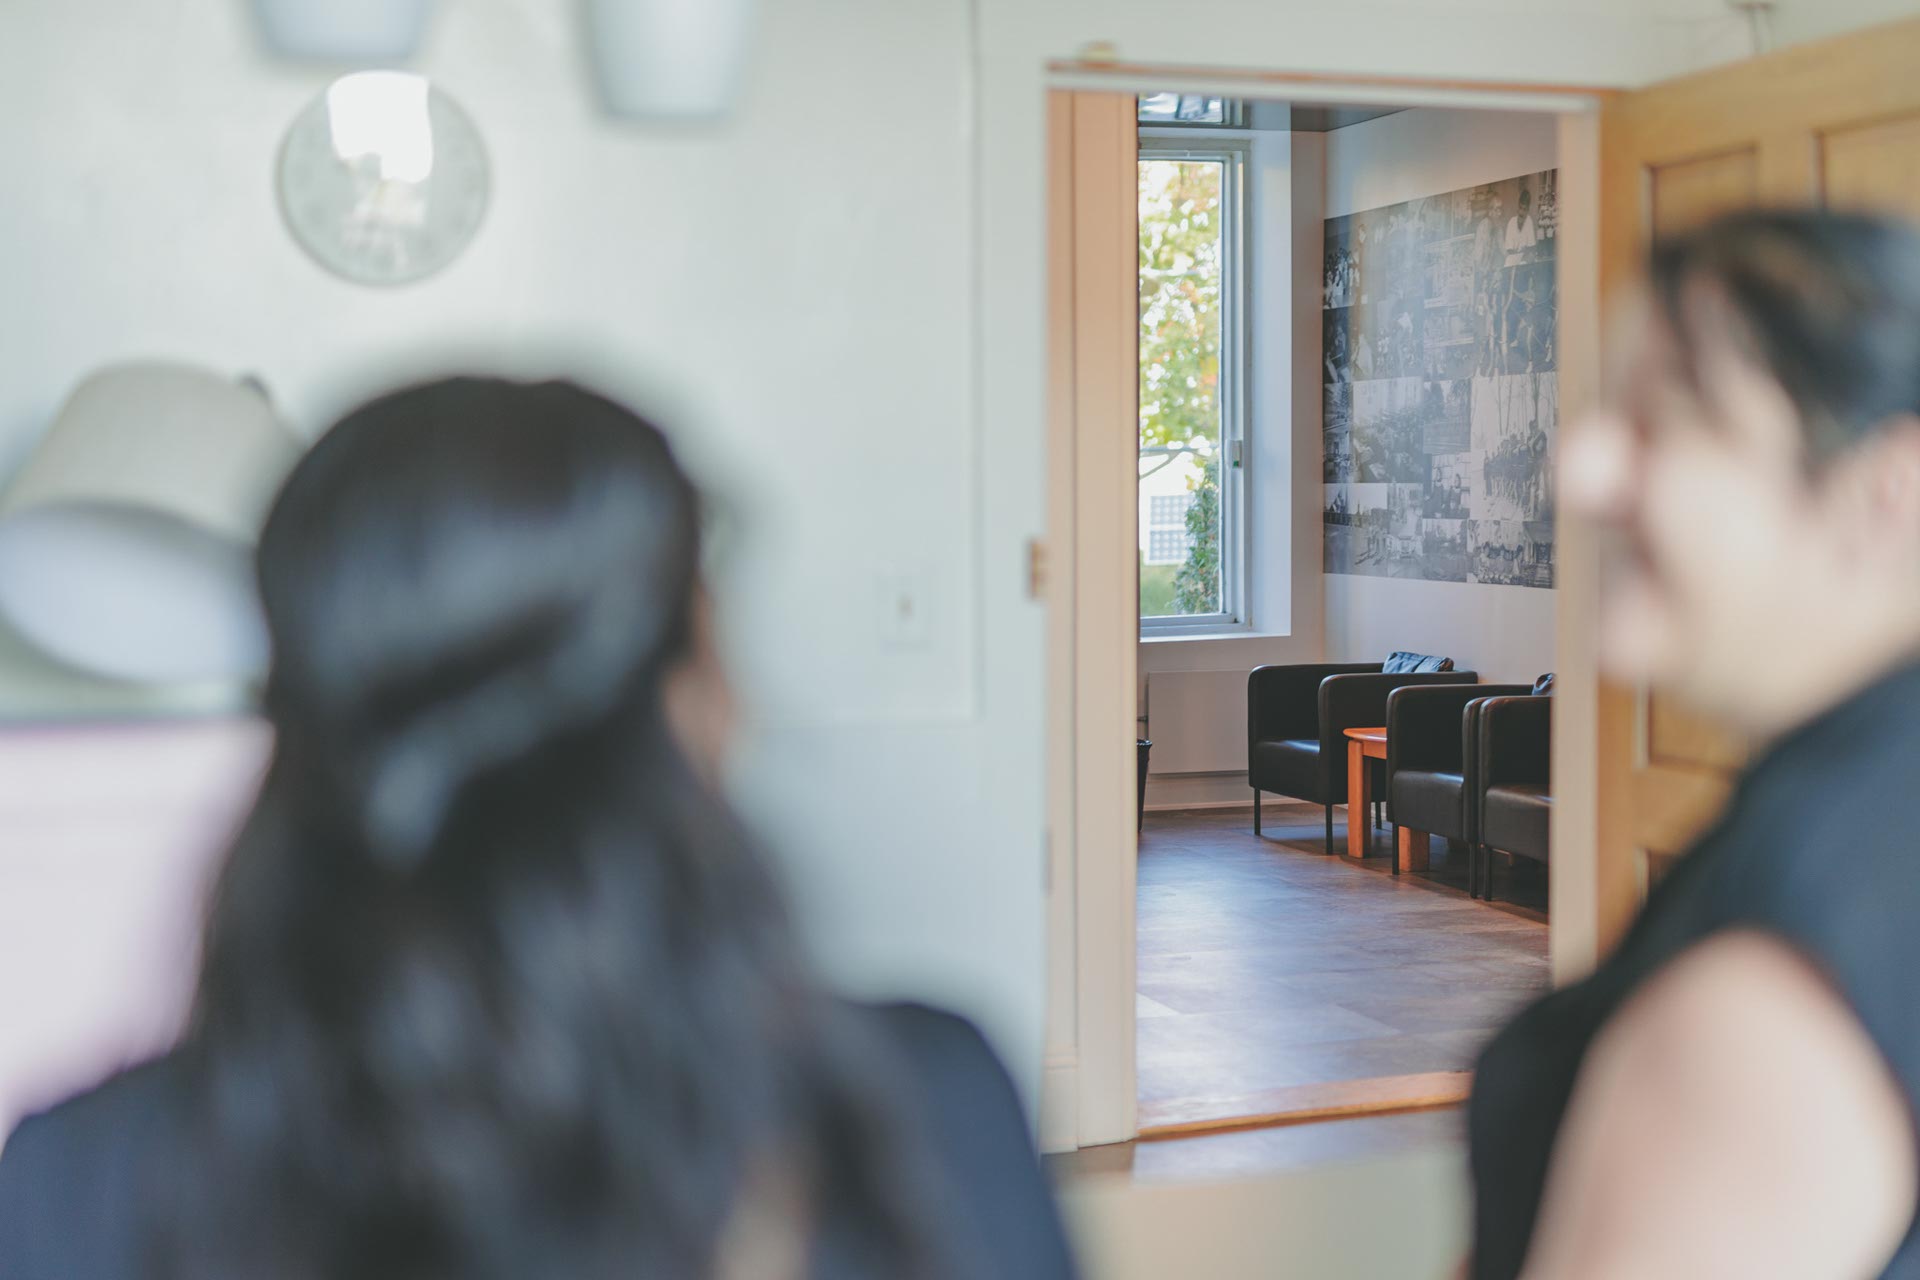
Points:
[(465, 574), (493, 983)]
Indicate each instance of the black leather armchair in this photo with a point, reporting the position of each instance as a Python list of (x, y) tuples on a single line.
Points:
[(1431, 758), (1514, 774), (1297, 719)]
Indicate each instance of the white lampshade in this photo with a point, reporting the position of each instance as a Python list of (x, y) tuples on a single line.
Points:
[(126, 540), (675, 60), (343, 30)]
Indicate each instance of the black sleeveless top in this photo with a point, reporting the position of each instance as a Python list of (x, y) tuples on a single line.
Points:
[(1820, 847), (71, 1179)]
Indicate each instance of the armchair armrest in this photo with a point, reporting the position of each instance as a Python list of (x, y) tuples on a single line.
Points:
[(1284, 701), (1425, 724), (1515, 742), (1356, 701)]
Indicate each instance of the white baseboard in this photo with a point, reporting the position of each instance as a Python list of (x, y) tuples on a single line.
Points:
[(1202, 791), (1207, 791), (1197, 790), (1059, 1103)]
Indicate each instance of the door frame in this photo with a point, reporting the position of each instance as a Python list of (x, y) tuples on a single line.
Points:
[(1088, 1093)]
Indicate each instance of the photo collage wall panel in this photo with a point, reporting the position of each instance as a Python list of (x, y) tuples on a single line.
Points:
[(1440, 392)]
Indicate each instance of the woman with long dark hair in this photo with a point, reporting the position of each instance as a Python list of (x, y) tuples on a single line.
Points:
[(494, 983), (1733, 1092)]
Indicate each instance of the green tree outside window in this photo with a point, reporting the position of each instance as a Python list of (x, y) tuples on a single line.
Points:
[(1180, 348)]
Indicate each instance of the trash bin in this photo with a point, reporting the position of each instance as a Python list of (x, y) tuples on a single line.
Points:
[(1144, 747)]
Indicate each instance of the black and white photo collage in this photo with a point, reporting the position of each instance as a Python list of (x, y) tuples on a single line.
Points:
[(1441, 398)]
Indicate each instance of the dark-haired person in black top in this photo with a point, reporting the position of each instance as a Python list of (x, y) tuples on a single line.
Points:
[(494, 984), (1733, 1092)]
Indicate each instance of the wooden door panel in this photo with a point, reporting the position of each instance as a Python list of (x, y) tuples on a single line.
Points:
[(1677, 736), (1683, 193), (1672, 806), (1839, 121), (1873, 166)]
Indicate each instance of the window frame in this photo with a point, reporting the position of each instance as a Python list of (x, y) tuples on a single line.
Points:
[(1159, 142), (1233, 112)]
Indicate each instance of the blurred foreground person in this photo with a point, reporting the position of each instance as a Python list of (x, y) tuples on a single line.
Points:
[(494, 983), (1733, 1093)]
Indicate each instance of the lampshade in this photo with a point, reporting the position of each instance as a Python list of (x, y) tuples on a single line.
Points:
[(126, 539), (343, 30), (676, 60)]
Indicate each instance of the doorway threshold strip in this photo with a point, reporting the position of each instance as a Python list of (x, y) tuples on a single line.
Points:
[(1300, 1104)]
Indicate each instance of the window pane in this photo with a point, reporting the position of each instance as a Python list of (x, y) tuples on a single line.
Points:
[(1181, 108), (1181, 280)]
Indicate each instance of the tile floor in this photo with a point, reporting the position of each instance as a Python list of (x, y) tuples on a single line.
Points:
[(1264, 963)]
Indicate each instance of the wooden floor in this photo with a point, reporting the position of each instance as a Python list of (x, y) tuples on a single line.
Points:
[(1265, 964)]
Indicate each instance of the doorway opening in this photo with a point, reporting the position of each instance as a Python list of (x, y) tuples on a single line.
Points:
[(1347, 349)]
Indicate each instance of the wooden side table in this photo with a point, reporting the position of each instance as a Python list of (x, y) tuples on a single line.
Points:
[(1410, 851)]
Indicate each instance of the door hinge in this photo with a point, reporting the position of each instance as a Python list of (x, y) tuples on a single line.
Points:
[(1036, 569)]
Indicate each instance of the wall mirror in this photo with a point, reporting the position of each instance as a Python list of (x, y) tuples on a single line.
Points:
[(382, 178)]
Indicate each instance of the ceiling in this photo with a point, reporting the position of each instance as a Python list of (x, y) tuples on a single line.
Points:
[(1327, 119)]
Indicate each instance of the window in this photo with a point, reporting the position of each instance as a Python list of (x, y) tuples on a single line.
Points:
[(1189, 109), (1192, 386)]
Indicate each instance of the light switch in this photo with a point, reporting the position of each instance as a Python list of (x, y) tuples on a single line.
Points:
[(903, 608)]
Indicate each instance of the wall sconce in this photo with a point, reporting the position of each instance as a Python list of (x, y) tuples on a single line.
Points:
[(126, 539), (666, 60), (669, 60), (361, 31)]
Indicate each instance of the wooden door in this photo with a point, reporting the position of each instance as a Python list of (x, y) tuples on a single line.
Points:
[(1834, 123)]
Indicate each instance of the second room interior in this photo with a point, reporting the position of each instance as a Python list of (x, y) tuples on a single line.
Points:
[(1348, 407)]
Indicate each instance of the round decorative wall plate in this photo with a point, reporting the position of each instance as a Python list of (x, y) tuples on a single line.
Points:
[(383, 178)]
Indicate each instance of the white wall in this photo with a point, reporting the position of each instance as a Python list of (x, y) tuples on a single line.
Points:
[(1505, 633), (1796, 21), (1591, 42), (793, 293), (108, 840)]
